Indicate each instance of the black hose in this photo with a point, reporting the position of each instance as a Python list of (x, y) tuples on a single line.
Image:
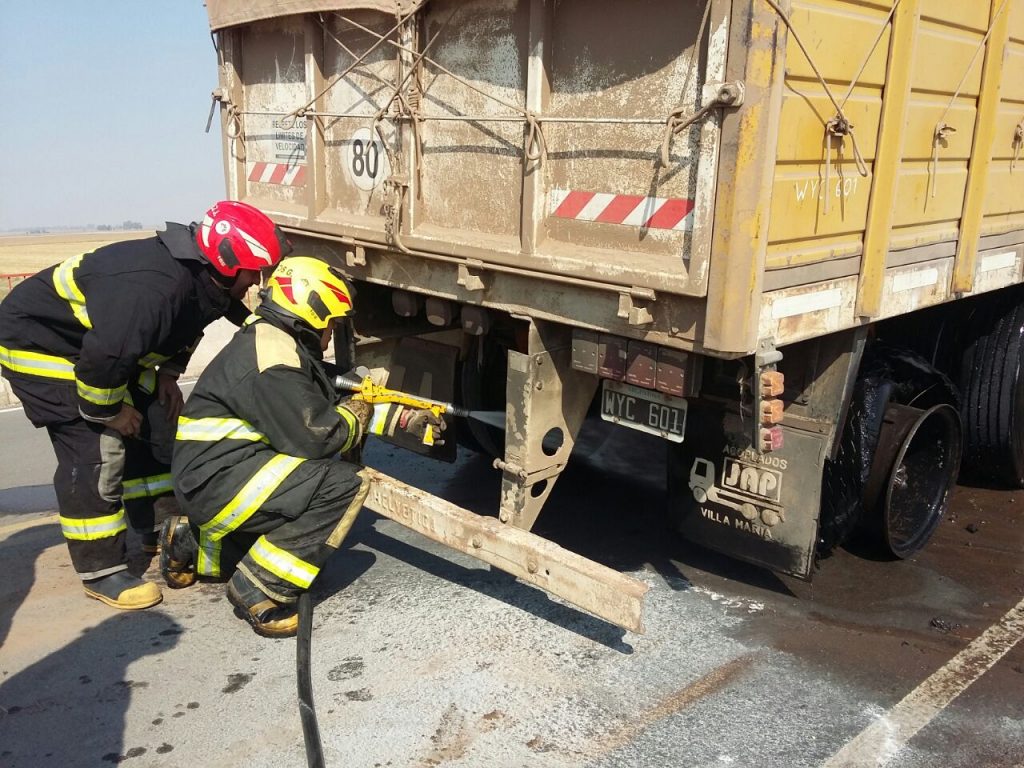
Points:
[(307, 711)]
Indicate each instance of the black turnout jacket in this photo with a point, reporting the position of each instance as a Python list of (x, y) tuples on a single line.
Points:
[(266, 394), (101, 320)]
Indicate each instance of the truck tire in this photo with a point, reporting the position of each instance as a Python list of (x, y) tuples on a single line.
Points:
[(888, 375), (992, 381)]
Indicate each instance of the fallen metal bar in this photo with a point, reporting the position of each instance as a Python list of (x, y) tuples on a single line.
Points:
[(595, 588)]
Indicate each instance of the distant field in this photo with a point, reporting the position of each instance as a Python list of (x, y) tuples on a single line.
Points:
[(27, 254)]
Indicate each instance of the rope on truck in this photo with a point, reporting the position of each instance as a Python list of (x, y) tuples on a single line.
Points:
[(839, 127), (404, 103), (942, 129), (676, 123)]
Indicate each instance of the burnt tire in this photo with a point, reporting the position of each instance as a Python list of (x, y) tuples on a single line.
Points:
[(887, 375), (993, 408), (843, 479)]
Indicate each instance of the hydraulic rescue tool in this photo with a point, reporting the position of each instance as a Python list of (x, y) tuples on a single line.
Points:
[(369, 391)]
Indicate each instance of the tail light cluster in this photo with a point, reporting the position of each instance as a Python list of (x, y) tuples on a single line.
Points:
[(770, 407), (639, 363)]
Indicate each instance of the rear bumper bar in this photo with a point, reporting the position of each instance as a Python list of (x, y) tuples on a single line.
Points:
[(595, 588)]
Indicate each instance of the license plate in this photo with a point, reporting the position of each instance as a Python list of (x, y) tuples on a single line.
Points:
[(644, 409)]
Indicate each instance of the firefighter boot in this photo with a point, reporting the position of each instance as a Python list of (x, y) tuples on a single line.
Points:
[(267, 617), (150, 543), (164, 508), (124, 591), (178, 552)]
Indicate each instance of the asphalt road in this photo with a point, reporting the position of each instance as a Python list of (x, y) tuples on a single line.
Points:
[(424, 657)]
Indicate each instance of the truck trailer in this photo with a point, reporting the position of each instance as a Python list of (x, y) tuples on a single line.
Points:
[(784, 236)]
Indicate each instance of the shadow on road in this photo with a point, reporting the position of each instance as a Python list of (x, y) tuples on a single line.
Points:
[(500, 586), (18, 553), (68, 709)]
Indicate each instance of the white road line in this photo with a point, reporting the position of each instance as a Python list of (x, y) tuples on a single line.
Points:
[(879, 742)]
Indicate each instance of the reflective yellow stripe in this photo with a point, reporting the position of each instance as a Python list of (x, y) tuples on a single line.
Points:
[(99, 395), (379, 421), (212, 430), (147, 381), (92, 528), (67, 288), (208, 559), (153, 359), (251, 497), (353, 426), (283, 564), (143, 487), (250, 320), (37, 364)]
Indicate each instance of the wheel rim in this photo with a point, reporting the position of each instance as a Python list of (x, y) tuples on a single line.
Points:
[(921, 479)]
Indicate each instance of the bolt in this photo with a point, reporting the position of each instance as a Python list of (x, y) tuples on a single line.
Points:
[(503, 516), (728, 94), (476, 542), (540, 385), (531, 566)]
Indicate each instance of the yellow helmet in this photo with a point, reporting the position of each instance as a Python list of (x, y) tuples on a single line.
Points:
[(310, 290)]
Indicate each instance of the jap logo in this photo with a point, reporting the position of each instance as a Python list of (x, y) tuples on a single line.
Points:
[(754, 481)]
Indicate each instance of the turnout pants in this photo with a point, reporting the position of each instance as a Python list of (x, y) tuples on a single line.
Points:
[(103, 482), (280, 526)]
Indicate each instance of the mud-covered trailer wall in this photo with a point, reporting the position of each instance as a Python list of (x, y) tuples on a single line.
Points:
[(523, 147), (580, 192)]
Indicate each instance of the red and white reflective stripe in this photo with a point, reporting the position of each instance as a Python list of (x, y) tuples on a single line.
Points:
[(630, 210), (278, 173)]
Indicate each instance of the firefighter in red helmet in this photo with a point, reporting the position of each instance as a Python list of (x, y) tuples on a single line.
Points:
[(93, 348)]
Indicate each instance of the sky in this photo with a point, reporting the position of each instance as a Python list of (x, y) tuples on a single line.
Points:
[(104, 106)]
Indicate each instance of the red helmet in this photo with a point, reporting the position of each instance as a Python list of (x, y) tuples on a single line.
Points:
[(236, 236)]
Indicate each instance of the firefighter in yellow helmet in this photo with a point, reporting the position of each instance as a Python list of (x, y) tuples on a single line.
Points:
[(256, 459)]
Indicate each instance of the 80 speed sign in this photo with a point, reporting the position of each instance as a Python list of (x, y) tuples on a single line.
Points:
[(365, 159)]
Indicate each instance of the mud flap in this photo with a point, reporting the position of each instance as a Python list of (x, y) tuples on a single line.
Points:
[(761, 508)]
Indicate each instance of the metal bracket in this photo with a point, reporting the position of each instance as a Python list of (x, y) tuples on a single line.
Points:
[(729, 94), (355, 256), (632, 312), (546, 398), (216, 97), (766, 354), (471, 275)]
